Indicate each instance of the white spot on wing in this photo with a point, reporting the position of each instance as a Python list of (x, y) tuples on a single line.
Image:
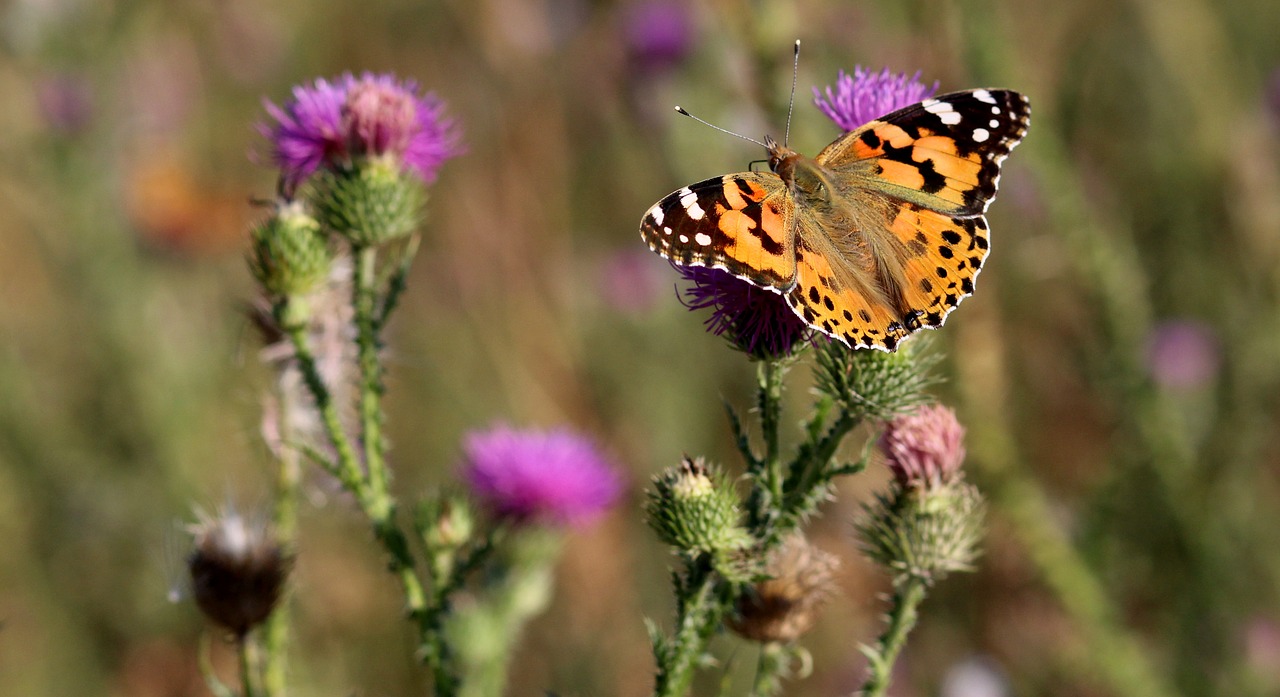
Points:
[(702, 238), (656, 214), (684, 239), (980, 135), (689, 200), (666, 230), (993, 123), (984, 96)]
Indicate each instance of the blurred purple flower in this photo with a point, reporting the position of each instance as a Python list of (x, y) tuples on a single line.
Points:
[(658, 34), (1273, 96), (866, 96), (631, 280), (924, 449), (328, 123), (554, 477), (1183, 354), (757, 321), (66, 103)]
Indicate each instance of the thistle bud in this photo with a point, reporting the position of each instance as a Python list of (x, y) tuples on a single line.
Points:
[(371, 203), (931, 522), (238, 570), (875, 384), (693, 507), (785, 606), (290, 254)]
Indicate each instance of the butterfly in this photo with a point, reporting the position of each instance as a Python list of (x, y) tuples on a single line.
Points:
[(881, 235)]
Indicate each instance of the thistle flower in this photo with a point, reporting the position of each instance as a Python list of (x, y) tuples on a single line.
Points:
[(756, 321), (785, 606), (1183, 354), (658, 34), (924, 449), (328, 124), (930, 523), (866, 96), (875, 384), (554, 477), (238, 569)]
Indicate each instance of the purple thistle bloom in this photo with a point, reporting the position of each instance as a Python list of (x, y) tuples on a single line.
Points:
[(757, 321), (924, 449), (1183, 354), (866, 96), (554, 477), (329, 123), (658, 34)]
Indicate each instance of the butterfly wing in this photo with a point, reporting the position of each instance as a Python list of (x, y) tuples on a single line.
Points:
[(741, 223), (910, 238)]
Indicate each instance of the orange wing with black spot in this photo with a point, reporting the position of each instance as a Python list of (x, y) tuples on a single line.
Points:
[(741, 223)]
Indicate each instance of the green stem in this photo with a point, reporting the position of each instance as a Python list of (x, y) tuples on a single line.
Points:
[(348, 470), (700, 609), (365, 302), (769, 670), (902, 618), (275, 633), (245, 650)]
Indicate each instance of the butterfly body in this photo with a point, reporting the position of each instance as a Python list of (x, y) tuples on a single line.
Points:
[(878, 236)]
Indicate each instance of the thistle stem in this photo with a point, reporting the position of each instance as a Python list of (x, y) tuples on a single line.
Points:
[(244, 649), (367, 319), (700, 608), (902, 618)]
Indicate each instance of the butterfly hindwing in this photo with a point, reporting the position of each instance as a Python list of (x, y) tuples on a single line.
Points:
[(741, 223)]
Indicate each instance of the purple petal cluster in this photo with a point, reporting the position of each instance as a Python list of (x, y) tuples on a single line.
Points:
[(658, 34), (924, 449), (866, 96), (757, 321), (553, 477), (329, 122)]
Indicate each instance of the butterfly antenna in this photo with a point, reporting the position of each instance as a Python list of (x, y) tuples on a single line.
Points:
[(681, 110), (791, 104)]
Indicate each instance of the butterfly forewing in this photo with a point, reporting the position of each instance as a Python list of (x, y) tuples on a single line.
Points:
[(741, 223), (943, 153)]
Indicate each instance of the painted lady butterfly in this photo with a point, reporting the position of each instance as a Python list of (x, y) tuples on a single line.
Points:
[(881, 235)]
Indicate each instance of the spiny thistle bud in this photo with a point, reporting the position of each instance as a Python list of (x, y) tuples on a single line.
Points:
[(238, 570), (290, 254), (693, 507), (930, 524), (785, 606), (445, 523), (875, 384), (372, 203)]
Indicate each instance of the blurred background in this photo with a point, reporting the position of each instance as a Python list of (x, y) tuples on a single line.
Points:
[(1118, 368)]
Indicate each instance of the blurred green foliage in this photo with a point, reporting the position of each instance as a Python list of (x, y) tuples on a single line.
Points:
[(1147, 192)]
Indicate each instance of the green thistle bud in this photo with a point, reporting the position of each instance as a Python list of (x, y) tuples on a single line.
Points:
[(875, 384), (694, 508), (290, 254), (924, 533), (374, 202), (445, 523)]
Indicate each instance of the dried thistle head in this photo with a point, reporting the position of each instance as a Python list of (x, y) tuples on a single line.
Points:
[(238, 569), (785, 606)]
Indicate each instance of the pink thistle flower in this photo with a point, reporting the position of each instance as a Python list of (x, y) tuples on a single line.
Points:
[(554, 477), (866, 96), (329, 123), (924, 449)]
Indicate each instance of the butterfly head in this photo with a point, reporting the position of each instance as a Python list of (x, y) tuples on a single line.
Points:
[(781, 158)]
